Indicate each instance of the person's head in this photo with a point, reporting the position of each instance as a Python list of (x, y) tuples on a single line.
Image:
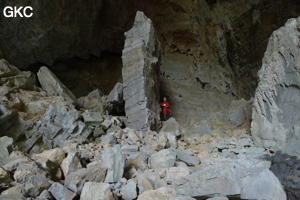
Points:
[(165, 98)]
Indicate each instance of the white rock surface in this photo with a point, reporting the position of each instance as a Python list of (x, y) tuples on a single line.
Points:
[(276, 111), (96, 191)]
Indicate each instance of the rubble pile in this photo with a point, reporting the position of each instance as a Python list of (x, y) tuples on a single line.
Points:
[(54, 146)]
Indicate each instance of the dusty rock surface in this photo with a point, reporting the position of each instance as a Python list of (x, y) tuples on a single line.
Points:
[(141, 60), (276, 113)]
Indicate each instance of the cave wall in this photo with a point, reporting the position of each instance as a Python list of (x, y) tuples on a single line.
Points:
[(225, 38)]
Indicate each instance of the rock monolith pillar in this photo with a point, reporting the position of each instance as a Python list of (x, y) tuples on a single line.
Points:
[(141, 60)]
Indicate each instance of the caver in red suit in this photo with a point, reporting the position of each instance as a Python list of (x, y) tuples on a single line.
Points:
[(165, 108)]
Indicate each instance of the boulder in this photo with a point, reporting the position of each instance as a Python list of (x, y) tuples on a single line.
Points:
[(96, 191), (33, 178), (116, 95), (144, 183), (171, 130), (115, 98), (129, 190), (231, 178), (11, 76), (60, 123), (5, 149), (141, 59), (114, 161), (71, 163), (262, 185), (163, 193), (53, 86), (218, 198), (93, 101), (92, 117), (75, 180), (56, 155), (171, 126), (7, 69), (276, 111), (176, 173), (163, 159), (60, 192), (14, 193), (187, 157)]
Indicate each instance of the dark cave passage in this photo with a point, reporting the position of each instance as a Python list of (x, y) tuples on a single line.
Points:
[(82, 76)]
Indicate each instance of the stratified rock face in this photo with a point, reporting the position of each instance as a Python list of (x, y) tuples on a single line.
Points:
[(141, 74), (276, 111)]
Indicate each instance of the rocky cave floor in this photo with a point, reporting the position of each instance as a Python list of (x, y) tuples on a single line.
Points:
[(56, 146), (56, 150)]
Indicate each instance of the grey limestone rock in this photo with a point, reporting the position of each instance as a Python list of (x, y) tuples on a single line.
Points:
[(276, 111), (71, 163), (141, 58), (5, 148), (96, 191), (53, 86), (163, 193), (187, 157), (163, 159), (232, 179), (114, 161), (116, 95), (75, 180), (60, 192), (129, 190)]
